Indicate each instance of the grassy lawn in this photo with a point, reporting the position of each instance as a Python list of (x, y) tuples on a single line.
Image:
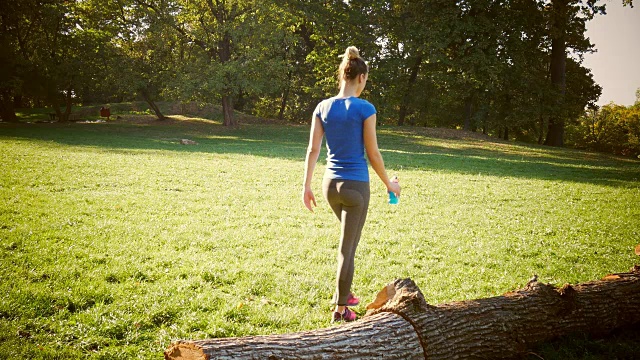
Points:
[(115, 239)]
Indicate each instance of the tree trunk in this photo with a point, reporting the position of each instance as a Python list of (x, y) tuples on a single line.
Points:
[(7, 109), (285, 96), (468, 103), (17, 101), (152, 104), (555, 131), (224, 54), (399, 324), (283, 103), (541, 135), (560, 18), (408, 91), (68, 102), (56, 109), (361, 339), (227, 111)]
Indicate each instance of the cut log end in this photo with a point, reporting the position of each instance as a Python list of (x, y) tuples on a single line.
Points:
[(383, 297), (185, 350), (397, 296)]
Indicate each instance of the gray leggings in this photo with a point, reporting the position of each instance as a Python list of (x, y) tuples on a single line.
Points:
[(349, 200)]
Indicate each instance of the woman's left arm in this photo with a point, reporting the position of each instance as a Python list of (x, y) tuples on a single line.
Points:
[(373, 153)]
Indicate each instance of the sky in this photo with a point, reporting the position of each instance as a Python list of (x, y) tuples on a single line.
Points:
[(616, 65)]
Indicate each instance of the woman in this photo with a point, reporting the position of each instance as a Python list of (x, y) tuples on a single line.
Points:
[(349, 125)]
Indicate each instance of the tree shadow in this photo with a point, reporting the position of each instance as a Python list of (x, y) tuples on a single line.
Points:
[(505, 159), (401, 149)]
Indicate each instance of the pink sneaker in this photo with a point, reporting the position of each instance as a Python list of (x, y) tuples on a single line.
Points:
[(347, 316), (352, 300)]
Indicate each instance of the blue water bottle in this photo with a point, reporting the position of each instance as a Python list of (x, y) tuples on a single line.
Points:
[(393, 199)]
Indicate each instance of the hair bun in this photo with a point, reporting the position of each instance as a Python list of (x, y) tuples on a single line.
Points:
[(352, 65), (351, 53)]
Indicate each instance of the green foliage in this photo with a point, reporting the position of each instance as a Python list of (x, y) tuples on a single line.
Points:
[(476, 64), (116, 240), (613, 129)]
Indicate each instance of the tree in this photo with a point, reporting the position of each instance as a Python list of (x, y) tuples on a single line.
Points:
[(225, 33), (146, 56), (567, 20), (510, 67), (314, 35), (78, 59), (399, 28), (613, 129), (52, 53), (20, 23)]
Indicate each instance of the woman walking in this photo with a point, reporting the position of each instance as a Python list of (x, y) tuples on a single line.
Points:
[(349, 125)]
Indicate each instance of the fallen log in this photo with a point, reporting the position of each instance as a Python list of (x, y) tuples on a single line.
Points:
[(399, 324)]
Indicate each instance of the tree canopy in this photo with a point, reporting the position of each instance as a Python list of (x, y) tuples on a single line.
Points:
[(511, 68)]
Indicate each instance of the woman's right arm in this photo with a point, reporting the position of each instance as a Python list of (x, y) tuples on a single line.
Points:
[(313, 152), (375, 158)]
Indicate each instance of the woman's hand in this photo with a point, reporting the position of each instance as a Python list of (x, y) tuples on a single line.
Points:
[(308, 199), (394, 186)]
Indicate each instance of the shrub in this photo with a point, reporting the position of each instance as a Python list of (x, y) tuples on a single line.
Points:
[(613, 129)]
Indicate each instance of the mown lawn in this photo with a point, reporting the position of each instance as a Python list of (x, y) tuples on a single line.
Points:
[(115, 239)]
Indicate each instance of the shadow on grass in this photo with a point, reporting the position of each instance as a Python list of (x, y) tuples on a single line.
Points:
[(505, 159), (404, 149), (622, 343)]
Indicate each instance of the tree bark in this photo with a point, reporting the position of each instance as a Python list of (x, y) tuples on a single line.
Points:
[(224, 55), (227, 111), (404, 105), (559, 23), (285, 96), (468, 105), (399, 324), (361, 339), (68, 102), (7, 109), (541, 135), (152, 104)]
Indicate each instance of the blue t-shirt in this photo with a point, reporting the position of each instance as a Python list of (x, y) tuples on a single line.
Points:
[(343, 122)]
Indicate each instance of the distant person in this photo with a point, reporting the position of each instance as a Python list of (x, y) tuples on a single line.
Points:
[(349, 125)]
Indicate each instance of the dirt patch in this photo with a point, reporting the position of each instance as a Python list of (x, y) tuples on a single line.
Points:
[(200, 117), (441, 133), (142, 119)]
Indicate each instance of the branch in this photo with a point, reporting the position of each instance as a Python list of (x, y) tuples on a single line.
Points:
[(169, 21)]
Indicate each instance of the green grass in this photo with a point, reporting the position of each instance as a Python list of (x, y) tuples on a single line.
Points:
[(116, 240)]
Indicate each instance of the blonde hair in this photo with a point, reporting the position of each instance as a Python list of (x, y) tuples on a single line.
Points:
[(352, 65)]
